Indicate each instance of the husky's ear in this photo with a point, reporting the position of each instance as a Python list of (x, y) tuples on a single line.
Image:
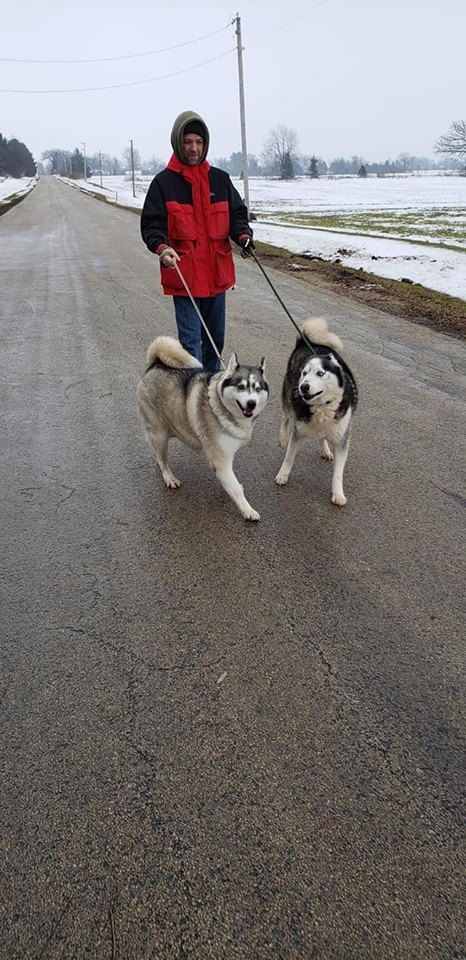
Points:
[(261, 366), (232, 364)]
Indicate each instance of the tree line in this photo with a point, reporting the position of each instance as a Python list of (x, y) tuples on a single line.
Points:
[(70, 163), (280, 157), (15, 159)]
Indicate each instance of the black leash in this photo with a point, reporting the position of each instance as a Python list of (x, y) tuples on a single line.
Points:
[(301, 334)]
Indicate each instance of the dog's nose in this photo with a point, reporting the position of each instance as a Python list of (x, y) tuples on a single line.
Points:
[(251, 404), (305, 387)]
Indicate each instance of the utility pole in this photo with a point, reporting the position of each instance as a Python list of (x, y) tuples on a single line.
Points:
[(132, 167), (237, 21), (85, 164), (100, 165)]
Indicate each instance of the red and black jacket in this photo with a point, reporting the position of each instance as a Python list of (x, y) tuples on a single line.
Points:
[(195, 210)]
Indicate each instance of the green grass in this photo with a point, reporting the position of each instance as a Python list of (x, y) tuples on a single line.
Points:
[(442, 227)]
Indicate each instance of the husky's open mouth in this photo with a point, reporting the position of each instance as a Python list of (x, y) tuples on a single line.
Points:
[(246, 411), (308, 397)]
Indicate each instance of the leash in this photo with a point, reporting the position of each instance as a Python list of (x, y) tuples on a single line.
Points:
[(253, 255), (198, 312), (301, 334)]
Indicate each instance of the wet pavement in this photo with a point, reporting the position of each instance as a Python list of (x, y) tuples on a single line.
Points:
[(221, 740)]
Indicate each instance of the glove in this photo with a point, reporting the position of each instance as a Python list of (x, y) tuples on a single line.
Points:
[(168, 257), (247, 246)]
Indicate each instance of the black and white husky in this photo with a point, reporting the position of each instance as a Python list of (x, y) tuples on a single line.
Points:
[(214, 413), (319, 398)]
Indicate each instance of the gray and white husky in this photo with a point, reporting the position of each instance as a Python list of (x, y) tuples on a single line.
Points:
[(319, 398), (214, 413)]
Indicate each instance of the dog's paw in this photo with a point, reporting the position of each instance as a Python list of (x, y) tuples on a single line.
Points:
[(171, 482), (339, 499), (325, 451), (251, 514), (281, 478)]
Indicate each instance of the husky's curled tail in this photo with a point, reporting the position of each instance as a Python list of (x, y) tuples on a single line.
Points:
[(170, 352), (316, 330)]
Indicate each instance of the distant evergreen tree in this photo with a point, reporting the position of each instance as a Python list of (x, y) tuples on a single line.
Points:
[(254, 166), (362, 172), (19, 160), (77, 166), (3, 156), (287, 172), (236, 164), (314, 168)]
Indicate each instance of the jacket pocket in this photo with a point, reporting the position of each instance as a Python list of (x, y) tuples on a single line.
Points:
[(219, 221), (180, 222), (224, 270)]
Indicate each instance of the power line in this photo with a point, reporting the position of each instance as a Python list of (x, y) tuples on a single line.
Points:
[(287, 22), (128, 56), (133, 83)]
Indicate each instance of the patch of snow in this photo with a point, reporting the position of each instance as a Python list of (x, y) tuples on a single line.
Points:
[(15, 187)]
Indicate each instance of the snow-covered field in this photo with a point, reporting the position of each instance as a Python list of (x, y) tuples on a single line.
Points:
[(411, 228), (403, 192)]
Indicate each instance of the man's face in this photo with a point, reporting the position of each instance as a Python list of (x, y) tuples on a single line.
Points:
[(193, 146)]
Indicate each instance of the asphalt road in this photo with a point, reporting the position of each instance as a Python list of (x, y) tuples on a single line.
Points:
[(221, 740)]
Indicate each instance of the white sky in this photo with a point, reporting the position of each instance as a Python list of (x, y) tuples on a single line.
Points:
[(368, 77)]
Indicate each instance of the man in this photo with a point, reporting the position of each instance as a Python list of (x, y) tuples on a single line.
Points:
[(190, 212)]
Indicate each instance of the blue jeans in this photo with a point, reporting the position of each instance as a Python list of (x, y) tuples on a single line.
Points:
[(191, 333)]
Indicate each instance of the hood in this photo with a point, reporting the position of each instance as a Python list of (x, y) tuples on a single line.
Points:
[(177, 134)]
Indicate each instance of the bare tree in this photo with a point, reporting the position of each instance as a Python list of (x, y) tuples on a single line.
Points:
[(313, 168), (153, 165), (280, 150), (58, 161), (406, 162), (110, 165), (127, 159), (453, 143)]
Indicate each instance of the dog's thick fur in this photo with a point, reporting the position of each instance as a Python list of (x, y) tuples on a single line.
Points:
[(211, 412), (319, 398)]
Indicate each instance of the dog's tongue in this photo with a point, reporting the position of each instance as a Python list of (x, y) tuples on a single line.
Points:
[(248, 413)]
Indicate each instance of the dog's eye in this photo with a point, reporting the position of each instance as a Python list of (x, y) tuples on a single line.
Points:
[(257, 388), (320, 373), (241, 386)]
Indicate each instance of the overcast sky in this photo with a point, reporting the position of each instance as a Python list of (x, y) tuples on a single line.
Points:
[(369, 77)]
